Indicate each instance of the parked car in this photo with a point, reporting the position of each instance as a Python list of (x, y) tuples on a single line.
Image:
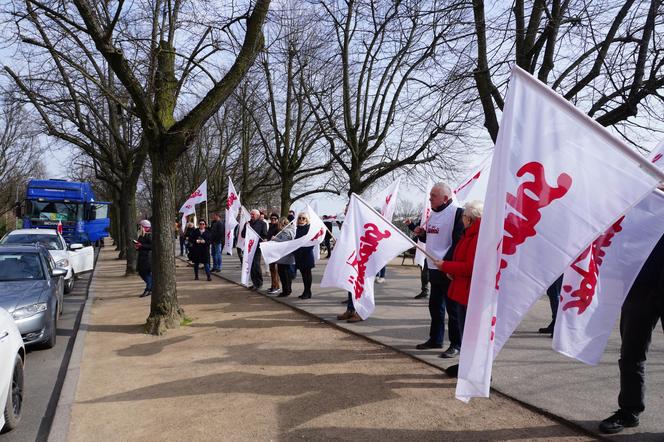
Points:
[(76, 258), (12, 358), (31, 290)]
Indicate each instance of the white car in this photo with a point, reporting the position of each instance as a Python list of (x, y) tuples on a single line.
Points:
[(12, 357), (76, 259)]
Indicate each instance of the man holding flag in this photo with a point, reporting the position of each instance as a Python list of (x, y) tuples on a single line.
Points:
[(443, 230), (260, 230)]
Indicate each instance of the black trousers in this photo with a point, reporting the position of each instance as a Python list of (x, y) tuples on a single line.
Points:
[(306, 280), (285, 278), (438, 305), (256, 272), (643, 308), (424, 278)]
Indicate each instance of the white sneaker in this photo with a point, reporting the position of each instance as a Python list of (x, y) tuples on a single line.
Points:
[(380, 280), (274, 291)]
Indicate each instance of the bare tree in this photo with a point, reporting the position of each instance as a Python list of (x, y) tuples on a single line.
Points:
[(605, 56), (390, 107), (183, 50)]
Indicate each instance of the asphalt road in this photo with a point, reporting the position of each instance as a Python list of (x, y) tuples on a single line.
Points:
[(45, 370)]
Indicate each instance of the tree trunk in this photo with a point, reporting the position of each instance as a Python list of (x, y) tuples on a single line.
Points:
[(286, 189), (165, 311), (128, 225)]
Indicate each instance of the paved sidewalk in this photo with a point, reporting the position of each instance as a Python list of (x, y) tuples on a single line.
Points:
[(248, 368), (527, 369)]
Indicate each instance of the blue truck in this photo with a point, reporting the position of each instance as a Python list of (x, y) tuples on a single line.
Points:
[(49, 203)]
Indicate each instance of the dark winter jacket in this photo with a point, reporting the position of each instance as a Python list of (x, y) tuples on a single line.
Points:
[(200, 252), (272, 230), (217, 232), (304, 256), (259, 227), (144, 261)]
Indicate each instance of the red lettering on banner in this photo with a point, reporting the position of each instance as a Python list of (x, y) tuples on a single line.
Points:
[(368, 246), (596, 250), (476, 176), (493, 328), (520, 226), (250, 245), (231, 199), (318, 235), (195, 194), (657, 158)]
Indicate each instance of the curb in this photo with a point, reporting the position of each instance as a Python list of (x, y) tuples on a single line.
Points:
[(335, 325), (60, 425)]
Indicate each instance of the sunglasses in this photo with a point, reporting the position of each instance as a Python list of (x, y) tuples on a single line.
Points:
[(302, 217), (201, 224)]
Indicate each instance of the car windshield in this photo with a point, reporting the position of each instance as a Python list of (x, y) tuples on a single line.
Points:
[(20, 266), (51, 242)]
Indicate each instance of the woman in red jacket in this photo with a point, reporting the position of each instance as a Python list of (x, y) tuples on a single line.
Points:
[(460, 268)]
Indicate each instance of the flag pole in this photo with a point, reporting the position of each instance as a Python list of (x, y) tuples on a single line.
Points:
[(427, 254)]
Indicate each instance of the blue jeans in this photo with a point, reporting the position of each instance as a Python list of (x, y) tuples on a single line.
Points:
[(553, 293), (147, 277), (381, 272), (461, 317), (216, 256), (438, 305), (206, 266)]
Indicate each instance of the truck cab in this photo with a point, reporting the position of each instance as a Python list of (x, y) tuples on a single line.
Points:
[(53, 203)]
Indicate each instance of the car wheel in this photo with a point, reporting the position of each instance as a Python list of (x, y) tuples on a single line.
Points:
[(69, 283), (14, 405), (52, 331)]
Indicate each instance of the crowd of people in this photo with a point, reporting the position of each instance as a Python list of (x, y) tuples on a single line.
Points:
[(450, 237)]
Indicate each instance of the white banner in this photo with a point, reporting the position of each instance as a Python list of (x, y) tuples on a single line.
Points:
[(273, 251), (197, 196), (598, 281), (558, 179), (245, 216), (249, 250), (474, 187), (420, 257), (390, 202), (232, 209), (366, 244), (596, 284)]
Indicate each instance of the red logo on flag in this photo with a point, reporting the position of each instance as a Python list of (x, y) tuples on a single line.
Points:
[(318, 235), (195, 194), (368, 246), (520, 226), (231, 199), (586, 290), (476, 176), (657, 158), (250, 245)]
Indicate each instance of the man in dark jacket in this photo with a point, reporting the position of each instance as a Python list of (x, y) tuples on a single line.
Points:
[(260, 228), (144, 259), (217, 234), (328, 235), (642, 310)]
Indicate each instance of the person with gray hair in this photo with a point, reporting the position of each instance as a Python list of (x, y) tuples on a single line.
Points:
[(459, 269), (260, 228), (442, 231)]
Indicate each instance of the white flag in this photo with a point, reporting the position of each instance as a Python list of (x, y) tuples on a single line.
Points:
[(245, 216), (366, 244), (273, 251), (249, 250), (558, 179), (232, 209), (474, 187), (390, 203), (596, 284), (598, 281), (420, 257), (197, 196)]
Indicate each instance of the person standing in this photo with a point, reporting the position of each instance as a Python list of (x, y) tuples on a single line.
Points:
[(201, 239), (144, 259), (443, 230), (189, 231), (259, 226), (286, 233), (291, 215), (328, 235), (273, 229), (217, 235), (181, 238), (304, 256), (459, 269), (642, 310)]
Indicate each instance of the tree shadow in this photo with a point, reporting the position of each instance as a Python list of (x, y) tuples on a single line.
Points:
[(151, 348)]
